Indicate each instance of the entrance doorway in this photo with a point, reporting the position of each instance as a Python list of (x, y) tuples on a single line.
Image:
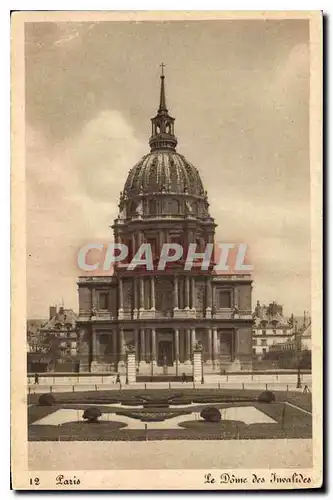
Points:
[(226, 350), (165, 353)]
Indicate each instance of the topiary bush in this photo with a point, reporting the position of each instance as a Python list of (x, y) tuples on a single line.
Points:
[(266, 397), (92, 414), (211, 414), (46, 399)]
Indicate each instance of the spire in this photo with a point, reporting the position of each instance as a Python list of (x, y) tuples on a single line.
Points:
[(162, 134), (162, 92)]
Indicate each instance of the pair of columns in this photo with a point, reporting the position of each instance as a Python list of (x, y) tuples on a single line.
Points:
[(141, 304), (190, 340), (189, 292), (212, 350), (141, 347)]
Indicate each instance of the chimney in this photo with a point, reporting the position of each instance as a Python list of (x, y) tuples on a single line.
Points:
[(53, 311)]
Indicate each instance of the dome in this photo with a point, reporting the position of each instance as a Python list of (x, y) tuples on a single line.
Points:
[(163, 183), (164, 172)]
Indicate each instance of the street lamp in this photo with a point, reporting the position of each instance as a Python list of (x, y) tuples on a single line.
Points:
[(299, 351), (202, 371)]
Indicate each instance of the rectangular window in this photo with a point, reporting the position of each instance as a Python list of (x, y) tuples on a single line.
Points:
[(263, 341), (264, 332), (224, 300), (253, 352), (103, 300), (274, 331), (254, 341), (284, 332), (264, 351)]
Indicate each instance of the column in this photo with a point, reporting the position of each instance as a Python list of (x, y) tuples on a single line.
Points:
[(153, 344), (152, 292), (110, 302), (133, 244), (142, 293), (192, 339), (94, 346), (136, 340), (193, 293), (209, 342), (175, 293), (121, 344), (188, 344), (135, 297), (187, 292), (93, 299), (209, 298), (114, 347), (121, 295), (161, 240), (177, 349), (177, 344), (215, 353), (140, 238), (143, 346)]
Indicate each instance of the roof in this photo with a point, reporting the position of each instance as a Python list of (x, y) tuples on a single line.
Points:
[(163, 183), (164, 172), (270, 316), (64, 318)]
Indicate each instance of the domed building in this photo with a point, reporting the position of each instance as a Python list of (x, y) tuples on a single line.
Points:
[(163, 314)]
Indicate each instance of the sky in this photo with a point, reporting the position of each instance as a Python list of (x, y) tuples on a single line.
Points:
[(239, 91)]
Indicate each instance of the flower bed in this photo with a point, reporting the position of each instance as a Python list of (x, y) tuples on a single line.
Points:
[(152, 416)]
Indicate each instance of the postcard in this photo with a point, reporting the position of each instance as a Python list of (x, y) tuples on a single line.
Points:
[(166, 216)]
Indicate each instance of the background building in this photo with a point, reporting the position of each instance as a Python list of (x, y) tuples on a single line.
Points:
[(270, 328), (163, 314), (290, 349), (33, 334), (300, 339), (58, 339)]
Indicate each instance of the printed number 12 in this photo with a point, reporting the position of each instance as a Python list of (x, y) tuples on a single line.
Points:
[(34, 481)]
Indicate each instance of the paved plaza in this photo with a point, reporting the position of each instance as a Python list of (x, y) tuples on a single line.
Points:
[(275, 454), (278, 382)]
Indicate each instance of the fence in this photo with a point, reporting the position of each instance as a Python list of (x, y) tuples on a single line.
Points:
[(278, 382)]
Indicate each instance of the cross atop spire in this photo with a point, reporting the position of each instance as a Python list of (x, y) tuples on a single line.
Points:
[(162, 136), (162, 107)]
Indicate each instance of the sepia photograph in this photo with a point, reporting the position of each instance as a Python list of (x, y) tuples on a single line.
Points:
[(166, 250)]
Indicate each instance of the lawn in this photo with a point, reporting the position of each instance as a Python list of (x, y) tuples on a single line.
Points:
[(290, 423)]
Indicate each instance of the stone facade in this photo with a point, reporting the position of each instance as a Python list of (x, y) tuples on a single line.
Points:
[(164, 313)]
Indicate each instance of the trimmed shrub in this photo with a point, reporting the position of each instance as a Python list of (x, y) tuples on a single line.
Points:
[(266, 397), (46, 399), (211, 414), (92, 414)]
